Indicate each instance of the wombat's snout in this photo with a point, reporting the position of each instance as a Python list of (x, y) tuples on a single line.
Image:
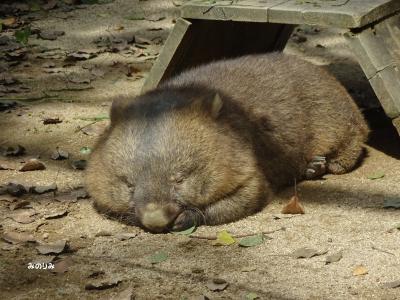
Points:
[(159, 217)]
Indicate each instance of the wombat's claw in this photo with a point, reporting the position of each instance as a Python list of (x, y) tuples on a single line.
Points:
[(187, 219), (316, 167)]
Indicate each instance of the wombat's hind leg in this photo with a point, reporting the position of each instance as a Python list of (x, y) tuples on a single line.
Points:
[(316, 167), (346, 158)]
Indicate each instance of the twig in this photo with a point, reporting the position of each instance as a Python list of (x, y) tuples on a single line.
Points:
[(91, 123), (237, 236), (382, 250)]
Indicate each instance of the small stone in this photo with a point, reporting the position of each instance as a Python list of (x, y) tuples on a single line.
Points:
[(79, 164)]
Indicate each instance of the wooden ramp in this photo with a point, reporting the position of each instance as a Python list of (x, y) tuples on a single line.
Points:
[(209, 30)]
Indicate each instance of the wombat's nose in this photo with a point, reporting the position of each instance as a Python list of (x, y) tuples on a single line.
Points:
[(158, 217)]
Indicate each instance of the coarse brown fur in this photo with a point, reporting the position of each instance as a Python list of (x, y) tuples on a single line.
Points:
[(209, 145)]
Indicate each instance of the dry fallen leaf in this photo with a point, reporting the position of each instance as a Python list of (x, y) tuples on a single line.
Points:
[(18, 237), (32, 165), (16, 189), (392, 285), (293, 207), (125, 236), (11, 151), (4, 165), (19, 204), (48, 121), (56, 214), (43, 189), (54, 247), (23, 216), (334, 257), (62, 265), (217, 285), (102, 284), (8, 21), (360, 270), (307, 253)]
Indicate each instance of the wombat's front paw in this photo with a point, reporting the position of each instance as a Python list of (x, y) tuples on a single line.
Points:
[(187, 219), (316, 167)]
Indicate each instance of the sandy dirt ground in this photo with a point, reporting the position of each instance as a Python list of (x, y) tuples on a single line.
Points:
[(100, 258)]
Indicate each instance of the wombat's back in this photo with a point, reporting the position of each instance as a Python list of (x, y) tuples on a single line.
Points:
[(303, 110)]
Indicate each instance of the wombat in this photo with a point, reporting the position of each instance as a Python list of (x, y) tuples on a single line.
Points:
[(210, 145)]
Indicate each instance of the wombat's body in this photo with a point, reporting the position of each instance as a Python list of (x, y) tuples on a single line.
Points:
[(209, 145)]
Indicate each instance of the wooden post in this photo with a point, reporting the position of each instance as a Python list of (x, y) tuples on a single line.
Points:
[(377, 49)]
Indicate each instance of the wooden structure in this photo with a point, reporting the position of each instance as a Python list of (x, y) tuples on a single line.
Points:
[(213, 29)]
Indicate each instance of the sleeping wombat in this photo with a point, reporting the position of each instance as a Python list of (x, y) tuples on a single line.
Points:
[(208, 146)]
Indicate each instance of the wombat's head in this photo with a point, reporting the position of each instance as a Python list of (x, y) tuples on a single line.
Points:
[(165, 154)]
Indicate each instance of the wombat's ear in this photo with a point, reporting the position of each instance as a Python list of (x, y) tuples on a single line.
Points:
[(117, 109), (216, 106)]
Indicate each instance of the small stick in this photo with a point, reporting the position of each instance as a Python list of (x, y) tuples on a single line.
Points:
[(382, 250), (237, 236)]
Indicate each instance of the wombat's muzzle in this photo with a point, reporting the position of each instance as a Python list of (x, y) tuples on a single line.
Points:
[(158, 217)]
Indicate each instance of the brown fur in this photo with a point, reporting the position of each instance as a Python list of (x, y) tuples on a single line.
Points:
[(209, 145)]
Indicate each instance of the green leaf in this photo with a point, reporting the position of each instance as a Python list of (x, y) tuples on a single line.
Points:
[(252, 241), (85, 150), (377, 175), (224, 239), (187, 231), (22, 36), (391, 203), (158, 257), (1, 26), (95, 118), (252, 296)]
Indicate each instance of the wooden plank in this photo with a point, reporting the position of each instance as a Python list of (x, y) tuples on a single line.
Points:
[(337, 13), (174, 41), (378, 52), (205, 41), (244, 11)]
